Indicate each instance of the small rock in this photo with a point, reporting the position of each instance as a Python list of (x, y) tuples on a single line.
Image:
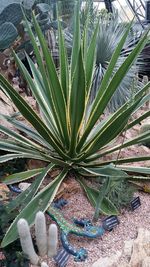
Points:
[(146, 262), (128, 248), (34, 164), (108, 261), (24, 186), (4, 190), (140, 251)]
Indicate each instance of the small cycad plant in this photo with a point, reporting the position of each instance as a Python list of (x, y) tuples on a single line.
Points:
[(69, 133)]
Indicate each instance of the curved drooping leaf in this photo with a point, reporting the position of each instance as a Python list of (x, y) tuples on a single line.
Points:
[(39, 203), (22, 176), (25, 197), (106, 171), (143, 170), (106, 207)]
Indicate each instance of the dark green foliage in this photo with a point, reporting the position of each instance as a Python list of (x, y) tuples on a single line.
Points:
[(5, 219), (14, 258), (121, 193), (13, 166), (8, 34)]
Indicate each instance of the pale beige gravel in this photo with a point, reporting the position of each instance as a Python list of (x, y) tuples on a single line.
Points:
[(79, 207)]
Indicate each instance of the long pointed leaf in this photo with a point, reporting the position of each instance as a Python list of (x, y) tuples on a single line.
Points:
[(39, 203), (28, 194), (76, 39), (25, 141), (107, 206), (77, 102), (102, 102), (110, 131), (55, 86), (30, 115), (38, 91), (63, 58), (21, 176), (136, 169), (8, 157), (90, 63)]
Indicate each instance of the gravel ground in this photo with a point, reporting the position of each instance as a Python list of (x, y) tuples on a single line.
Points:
[(127, 229)]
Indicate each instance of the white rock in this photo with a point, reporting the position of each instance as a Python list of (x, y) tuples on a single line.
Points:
[(128, 244), (24, 186), (44, 264), (146, 262), (108, 261)]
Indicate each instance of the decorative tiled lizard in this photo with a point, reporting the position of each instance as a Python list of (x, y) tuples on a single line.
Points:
[(67, 228)]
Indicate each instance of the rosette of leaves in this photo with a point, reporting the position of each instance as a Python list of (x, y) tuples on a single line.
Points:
[(68, 133), (110, 33)]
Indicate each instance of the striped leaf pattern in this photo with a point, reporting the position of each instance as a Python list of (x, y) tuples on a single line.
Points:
[(68, 132)]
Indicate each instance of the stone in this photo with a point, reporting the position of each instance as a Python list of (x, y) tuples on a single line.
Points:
[(4, 191), (112, 261), (146, 261), (35, 164), (24, 186), (140, 249), (127, 251), (136, 253)]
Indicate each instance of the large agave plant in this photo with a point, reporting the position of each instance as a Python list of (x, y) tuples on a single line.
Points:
[(69, 134)]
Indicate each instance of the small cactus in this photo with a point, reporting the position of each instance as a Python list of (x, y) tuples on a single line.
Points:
[(52, 244), (40, 233), (46, 244), (26, 241)]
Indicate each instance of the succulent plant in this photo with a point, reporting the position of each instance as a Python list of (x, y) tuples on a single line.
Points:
[(28, 4), (46, 244), (5, 3), (8, 34), (12, 13), (11, 17)]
